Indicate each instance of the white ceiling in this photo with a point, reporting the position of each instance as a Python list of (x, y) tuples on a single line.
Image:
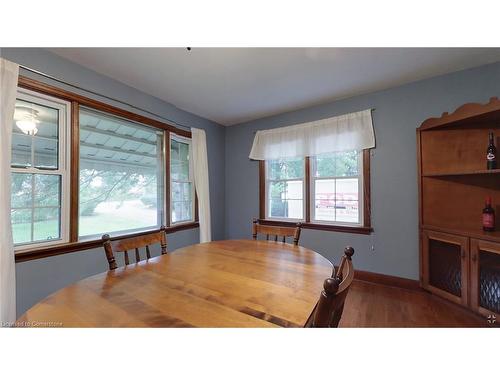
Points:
[(233, 85)]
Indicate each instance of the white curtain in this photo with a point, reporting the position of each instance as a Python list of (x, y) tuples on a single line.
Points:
[(200, 169), (8, 88), (353, 131)]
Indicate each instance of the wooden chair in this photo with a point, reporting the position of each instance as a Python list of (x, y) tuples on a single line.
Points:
[(271, 230), (112, 246), (328, 310)]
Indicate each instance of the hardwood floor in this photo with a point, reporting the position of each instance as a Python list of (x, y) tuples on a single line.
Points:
[(376, 305)]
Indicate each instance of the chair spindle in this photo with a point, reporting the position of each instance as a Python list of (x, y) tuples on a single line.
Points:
[(131, 244)]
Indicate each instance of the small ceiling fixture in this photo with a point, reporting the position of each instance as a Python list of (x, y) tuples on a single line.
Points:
[(26, 120), (188, 48)]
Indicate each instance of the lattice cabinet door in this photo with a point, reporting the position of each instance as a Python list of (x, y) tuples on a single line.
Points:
[(485, 278), (445, 265)]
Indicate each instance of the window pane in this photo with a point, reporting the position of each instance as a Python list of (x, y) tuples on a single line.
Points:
[(347, 211), (44, 143), (21, 225), (339, 164), (347, 189), (186, 210), (45, 153), (347, 164), (47, 190), (324, 200), (176, 211), (36, 205), (21, 150), (46, 224), (22, 189), (182, 201), (179, 160), (286, 199), (177, 191), (121, 181), (285, 169)]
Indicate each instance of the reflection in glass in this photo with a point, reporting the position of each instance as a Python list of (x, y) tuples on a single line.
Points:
[(39, 150), (121, 175)]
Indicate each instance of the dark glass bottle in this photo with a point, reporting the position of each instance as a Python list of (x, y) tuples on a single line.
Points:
[(488, 216), (491, 154)]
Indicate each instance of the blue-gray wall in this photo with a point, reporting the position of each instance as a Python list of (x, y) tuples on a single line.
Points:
[(398, 112), (37, 279)]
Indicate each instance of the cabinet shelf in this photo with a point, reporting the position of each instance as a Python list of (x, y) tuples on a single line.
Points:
[(464, 173), (453, 183)]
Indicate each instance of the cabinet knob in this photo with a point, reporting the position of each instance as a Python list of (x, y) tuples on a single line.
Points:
[(474, 257), (463, 254)]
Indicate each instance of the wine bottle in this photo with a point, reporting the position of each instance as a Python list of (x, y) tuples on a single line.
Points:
[(491, 153), (488, 216)]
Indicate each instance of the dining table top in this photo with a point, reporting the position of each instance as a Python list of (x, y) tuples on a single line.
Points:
[(230, 283)]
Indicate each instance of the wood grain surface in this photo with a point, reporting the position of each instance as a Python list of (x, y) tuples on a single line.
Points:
[(234, 283)]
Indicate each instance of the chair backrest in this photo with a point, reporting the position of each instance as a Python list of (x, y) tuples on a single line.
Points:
[(328, 310), (123, 246), (276, 231)]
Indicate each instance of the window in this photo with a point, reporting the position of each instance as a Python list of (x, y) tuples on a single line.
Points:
[(115, 182), (181, 180), (329, 191), (40, 158), (335, 186), (285, 189), (121, 178)]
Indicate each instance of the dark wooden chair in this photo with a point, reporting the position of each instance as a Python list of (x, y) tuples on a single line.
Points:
[(276, 231), (123, 246), (328, 310)]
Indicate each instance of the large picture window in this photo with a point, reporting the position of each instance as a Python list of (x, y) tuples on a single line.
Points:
[(39, 184), (121, 178), (328, 191)]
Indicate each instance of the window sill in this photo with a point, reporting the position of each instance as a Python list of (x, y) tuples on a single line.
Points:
[(52, 250), (317, 226)]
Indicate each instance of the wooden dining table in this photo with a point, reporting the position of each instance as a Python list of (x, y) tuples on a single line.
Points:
[(231, 283)]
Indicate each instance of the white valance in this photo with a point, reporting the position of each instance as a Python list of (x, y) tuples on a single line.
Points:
[(353, 131)]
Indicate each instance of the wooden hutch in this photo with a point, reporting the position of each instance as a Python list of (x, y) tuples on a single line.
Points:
[(458, 260)]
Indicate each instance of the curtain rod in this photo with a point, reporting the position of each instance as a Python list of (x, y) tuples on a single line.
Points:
[(102, 95)]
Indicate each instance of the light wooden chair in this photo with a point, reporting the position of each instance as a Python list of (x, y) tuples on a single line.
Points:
[(276, 231), (328, 310), (123, 246)]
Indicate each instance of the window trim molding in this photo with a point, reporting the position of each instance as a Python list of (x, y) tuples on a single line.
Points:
[(73, 145), (366, 228)]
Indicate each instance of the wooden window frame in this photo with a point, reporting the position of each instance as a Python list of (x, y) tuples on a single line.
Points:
[(76, 100), (365, 228)]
